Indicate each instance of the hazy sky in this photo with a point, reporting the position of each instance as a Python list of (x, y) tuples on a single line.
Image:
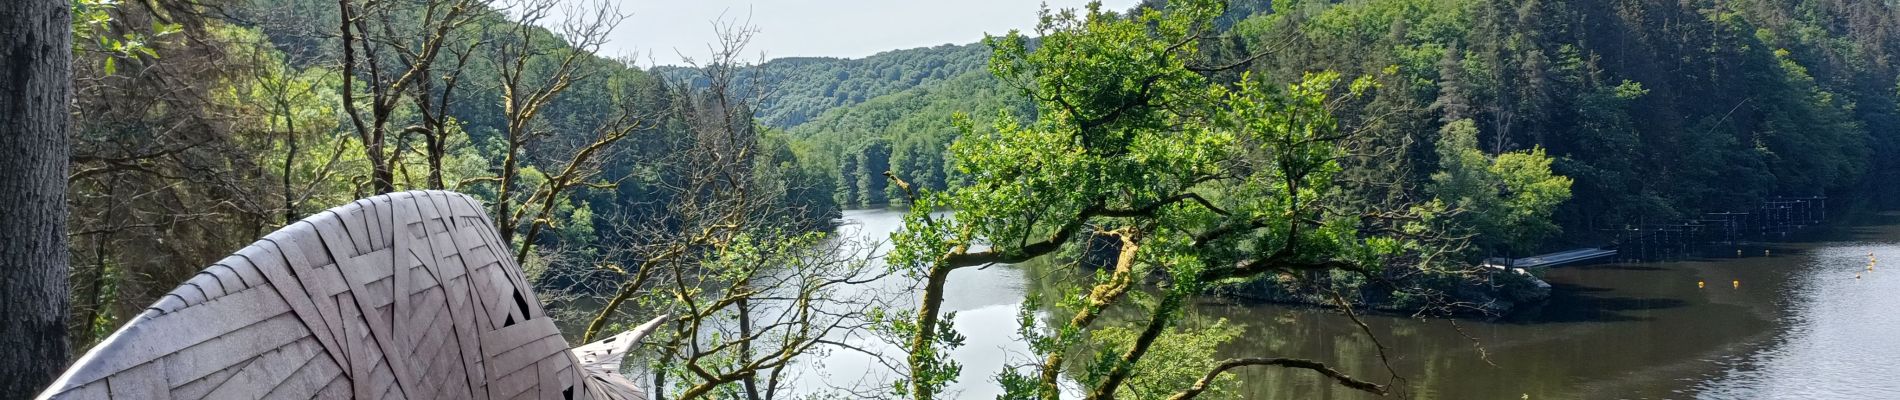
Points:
[(834, 28)]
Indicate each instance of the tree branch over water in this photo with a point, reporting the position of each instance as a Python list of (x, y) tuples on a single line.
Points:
[(1315, 366)]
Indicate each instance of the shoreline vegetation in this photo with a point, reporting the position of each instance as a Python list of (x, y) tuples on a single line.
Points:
[(1364, 153)]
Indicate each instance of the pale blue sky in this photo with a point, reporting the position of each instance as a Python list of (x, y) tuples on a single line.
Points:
[(833, 28)]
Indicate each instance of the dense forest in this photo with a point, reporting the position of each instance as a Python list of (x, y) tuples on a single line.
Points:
[(801, 88), (1656, 112), (1659, 111), (204, 130), (1361, 153)]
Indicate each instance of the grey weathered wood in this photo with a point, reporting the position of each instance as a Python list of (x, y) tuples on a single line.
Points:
[(213, 355), (144, 381), (265, 372), (249, 273), (337, 389), (307, 380), (197, 389), (271, 263), (605, 355), (405, 295)]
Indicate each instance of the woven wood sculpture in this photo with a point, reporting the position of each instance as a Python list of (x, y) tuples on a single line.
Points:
[(404, 295)]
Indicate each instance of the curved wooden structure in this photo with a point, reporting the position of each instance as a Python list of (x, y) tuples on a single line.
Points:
[(404, 295)]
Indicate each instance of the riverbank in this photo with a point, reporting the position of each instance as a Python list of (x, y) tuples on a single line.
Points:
[(1500, 292), (1730, 327), (1777, 326), (1793, 324), (1471, 293)]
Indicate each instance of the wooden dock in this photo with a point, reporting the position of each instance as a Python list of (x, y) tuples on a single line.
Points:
[(1552, 259)]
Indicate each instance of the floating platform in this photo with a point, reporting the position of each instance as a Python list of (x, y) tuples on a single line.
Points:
[(1552, 259)]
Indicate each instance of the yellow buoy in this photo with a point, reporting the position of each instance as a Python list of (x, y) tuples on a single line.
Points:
[(1699, 284), (1738, 284)]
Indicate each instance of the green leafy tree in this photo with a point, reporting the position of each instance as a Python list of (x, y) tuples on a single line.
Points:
[(872, 160), (1503, 202), (1196, 181)]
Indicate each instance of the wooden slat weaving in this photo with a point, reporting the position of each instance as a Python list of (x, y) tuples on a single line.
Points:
[(407, 295)]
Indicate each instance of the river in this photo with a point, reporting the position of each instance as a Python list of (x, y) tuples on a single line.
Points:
[(1792, 320)]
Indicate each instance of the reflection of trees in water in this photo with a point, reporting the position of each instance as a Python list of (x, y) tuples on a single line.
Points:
[(1425, 352), (1542, 358)]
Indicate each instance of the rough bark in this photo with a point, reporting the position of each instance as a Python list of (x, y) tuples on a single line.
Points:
[(1100, 297), (927, 319), (36, 46)]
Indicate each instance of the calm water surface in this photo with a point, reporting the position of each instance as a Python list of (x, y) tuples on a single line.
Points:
[(1797, 324), (1793, 324)]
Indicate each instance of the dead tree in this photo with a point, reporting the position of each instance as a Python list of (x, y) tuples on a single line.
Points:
[(750, 294)]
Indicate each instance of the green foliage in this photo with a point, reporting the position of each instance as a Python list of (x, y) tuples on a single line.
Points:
[(1701, 115), (804, 88), (806, 187), (1104, 125), (1778, 98), (1208, 182), (239, 126), (870, 160), (1178, 359), (1504, 202), (917, 125), (93, 31)]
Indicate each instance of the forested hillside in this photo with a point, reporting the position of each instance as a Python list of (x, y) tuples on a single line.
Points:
[(797, 89), (1659, 110), (905, 132), (203, 128), (1350, 153), (801, 89)]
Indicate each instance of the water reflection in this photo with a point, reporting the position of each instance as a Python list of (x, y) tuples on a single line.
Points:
[(985, 301), (1793, 324), (1797, 324), (1839, 341)]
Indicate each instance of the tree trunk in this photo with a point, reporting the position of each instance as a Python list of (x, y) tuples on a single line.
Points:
[(382, 156), (35, 89), (435, 140), (751, 381), (921, 343), (504, 223)]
